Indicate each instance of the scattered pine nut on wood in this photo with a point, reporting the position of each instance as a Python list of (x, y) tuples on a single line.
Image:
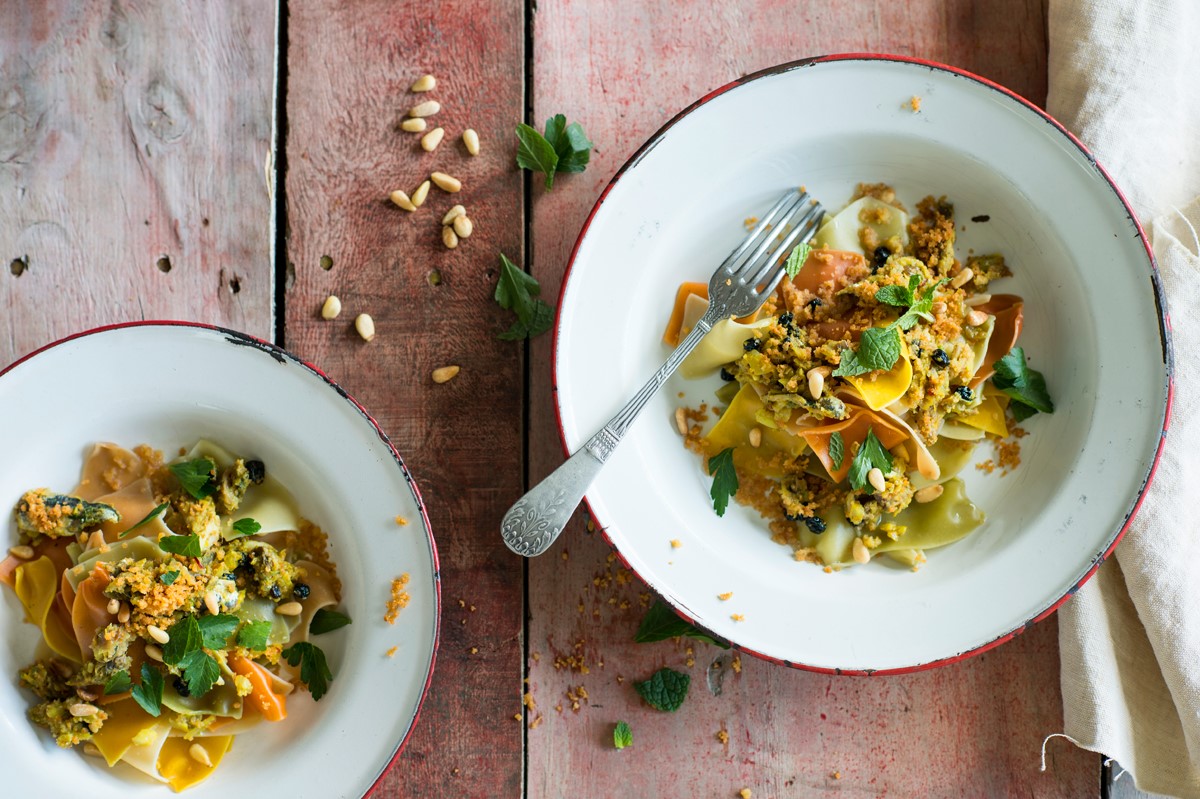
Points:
[(425, 109), (449, 238), (681, 421), (418, 197), (365, 326), (928, 494), (444, 374), (413, 125), (463, 226), (424, 83), (446, 182), (471, 140), (331, 307), (432, 139), (401, 199), (456, 211)]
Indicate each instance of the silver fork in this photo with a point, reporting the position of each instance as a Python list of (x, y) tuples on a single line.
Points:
[(739, 287)]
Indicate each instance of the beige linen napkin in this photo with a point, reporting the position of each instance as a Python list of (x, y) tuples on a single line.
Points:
[(1123, 76)]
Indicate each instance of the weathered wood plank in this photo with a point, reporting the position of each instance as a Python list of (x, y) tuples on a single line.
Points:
[(349, 70), (133, 134), (972, 729)]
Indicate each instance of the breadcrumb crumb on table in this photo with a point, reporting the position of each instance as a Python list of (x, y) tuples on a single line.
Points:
[(723, 736), (399, 600), (745, 793)]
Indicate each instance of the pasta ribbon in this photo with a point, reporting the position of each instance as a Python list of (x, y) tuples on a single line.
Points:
[(1009, 312), (854, 432), (36, 584), (733, 430), (880, 389)]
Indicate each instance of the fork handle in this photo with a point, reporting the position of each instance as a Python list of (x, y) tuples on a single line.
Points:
[(535, 521)]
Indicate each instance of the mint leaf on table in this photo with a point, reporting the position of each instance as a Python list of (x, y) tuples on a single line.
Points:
[(570, 144), (837, 449), (665, 690), (535, 153), (725, 479), (796, 258), (661, 623), (622, 735), (879, 348), (244, 527), (149, 693), (326, 620), (196, 477), (314, 672), (145, 519), (516, 291), (872, 454), (119, 683), (215, 630), (1026, 387), (185, 545), (256, 635)]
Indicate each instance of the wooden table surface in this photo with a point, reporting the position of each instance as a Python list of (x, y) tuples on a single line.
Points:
[(230, 163)]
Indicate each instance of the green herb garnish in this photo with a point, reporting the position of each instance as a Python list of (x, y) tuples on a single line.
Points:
[(314, 672), (149, 693), (872, 454), (185, 649), (186, 638), (186, 545), (119, 683), (563, 148), (665, 690), (837, 449), (1026, 387), (515, 291), (661, 623), (200, 672), (880, 347), (246, 527), (215, 630), (796, 258), (725, 479), (196, 477), (168, 578), (255, 635), (146, 519), (622, 735), (326, 620)]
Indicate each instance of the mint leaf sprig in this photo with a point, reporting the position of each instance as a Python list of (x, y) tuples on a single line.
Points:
[(665, 690), (725, 479), (563, 148), (516, 291), (796, 258), (879, 347), (622, 735), (1026, 387)]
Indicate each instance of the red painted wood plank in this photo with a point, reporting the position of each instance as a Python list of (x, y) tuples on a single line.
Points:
[(349, 70), (133, 134), (971, 729)]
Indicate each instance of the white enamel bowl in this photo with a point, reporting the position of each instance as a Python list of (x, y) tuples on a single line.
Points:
[(1093, 325), (168, 385)]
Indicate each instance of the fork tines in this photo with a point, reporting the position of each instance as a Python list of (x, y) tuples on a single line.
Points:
[(794, 218)]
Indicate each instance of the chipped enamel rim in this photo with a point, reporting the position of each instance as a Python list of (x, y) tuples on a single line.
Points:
[(1089, 562), (362, 766)]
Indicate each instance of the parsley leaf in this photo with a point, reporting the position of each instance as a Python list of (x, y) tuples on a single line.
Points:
[(186, 545), (570, 144), (255, 635), (515, 291), (871, 454), (1026, 387), (200, 671), (661, 623), (314, 672), (215, 630), (119, 683), (145, 519), (622, 735), (246, 527), (535, 153), (168, 578), (837, 449), (665, 690), (725, 479), (797, 258), (149, 693), (326, 620), (879, 348), (185, 638), (196, 477)]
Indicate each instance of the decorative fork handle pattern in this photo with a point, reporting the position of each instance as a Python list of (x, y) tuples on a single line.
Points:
[(535, 521)]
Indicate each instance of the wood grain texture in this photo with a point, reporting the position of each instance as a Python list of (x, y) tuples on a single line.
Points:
[(970, 729), (134, 132), (350, 68)]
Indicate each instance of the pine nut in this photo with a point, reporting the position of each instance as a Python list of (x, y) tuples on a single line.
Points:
[(123, 614), (418, 198), (432, 139), (928, 494), (816, 383), (83, 709), (289, 609), (456, 211), (446, 182), (414, 125), (755, 436), (425, 109), (211, 602), (978, 299), (938, 308), (463, 226), (471, 140), (200, 755), (158, 634), (365, 326), (154, 652), (331, 307), (875, 478), (444, 374), (424, 83), (21, 551), (401, 199), (96, 540), (681, 421), (114, 606), (859, 551), (962, 277), (976, 318), (449, 238)]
